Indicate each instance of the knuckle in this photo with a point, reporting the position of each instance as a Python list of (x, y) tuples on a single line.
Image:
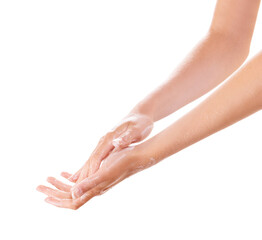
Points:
[(104, 190), (100, 193), (93, 193), (96, 157), (106, 137), (109, 136)]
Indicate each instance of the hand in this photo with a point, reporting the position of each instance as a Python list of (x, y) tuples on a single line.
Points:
[(133, 128), (115, 168)]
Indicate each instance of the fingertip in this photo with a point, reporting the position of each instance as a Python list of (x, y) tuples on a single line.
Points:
[(39, 187), (65, 174), (50, 179)]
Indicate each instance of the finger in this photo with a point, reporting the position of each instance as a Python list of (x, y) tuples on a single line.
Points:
[(74, 177), (91, 182), (96, 161), (74, 203), (66, 203), (98, 190), (54, 201), (59, 185), (67, 176), (53, 192), (101, 151), (88, 195), (84, 173)]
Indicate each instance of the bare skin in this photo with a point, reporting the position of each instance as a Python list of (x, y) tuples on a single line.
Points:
[(214, 59), (221, 51), (236, 99)]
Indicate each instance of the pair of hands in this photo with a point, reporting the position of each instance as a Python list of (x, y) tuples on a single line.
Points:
[(112, 161)]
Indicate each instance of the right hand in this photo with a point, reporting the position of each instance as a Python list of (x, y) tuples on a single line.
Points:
[(133, 128), (116, 167)]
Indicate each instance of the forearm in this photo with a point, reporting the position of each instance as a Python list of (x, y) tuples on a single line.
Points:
[(218, 54), (212, 61), (234, 100)]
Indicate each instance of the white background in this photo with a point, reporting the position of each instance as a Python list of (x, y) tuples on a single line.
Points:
[(69, 71)]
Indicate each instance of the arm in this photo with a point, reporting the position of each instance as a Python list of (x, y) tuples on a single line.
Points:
[(236, 99), (219, 54)]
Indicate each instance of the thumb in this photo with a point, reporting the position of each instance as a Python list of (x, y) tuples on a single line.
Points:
[(85, 185)]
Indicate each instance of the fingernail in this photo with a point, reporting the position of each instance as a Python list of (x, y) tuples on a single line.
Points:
[(76, 192)]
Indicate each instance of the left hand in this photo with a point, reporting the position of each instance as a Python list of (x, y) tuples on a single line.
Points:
[(133, 128), (115, 168)]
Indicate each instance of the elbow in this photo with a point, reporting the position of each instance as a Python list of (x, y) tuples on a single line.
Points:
[(241, 49), (240, 54)]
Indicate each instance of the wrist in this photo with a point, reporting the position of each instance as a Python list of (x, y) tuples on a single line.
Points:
[(142, 109), (141, 159), (149, 152)]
